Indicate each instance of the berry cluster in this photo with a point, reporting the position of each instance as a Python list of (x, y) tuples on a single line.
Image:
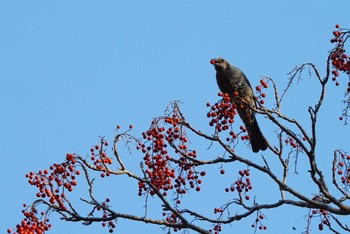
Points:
[(172, 218), (290, 141), (340, 60), (323, 215), (162, 133), (259, 89), (242, 184), (157, 160), (258, 223), (343, 169), (320, 213), (341, 63), (53, 183), (98, 155), (217, 229), (222, 113), (244, 137), (218, 210), (31, 223), (110, 224)]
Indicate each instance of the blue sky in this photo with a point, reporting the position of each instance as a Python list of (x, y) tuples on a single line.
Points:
[(71, 71)]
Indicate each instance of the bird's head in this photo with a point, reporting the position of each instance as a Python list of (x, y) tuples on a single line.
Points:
[(220, 63)]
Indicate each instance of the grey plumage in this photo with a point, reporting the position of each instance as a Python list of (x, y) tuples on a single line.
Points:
[(231, 79)]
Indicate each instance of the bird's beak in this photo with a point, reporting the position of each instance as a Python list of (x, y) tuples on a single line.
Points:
[(213, 61)]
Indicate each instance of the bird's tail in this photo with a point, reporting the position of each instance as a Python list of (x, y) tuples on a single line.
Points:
[(257, 139)]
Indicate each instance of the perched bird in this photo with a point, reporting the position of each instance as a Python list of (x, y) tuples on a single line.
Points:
[(231, 80)]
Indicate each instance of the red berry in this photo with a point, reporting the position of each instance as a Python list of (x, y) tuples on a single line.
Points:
[(263, 83), (320, 227), (335, 73), (222, 171)]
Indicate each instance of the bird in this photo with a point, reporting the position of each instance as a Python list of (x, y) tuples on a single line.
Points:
[(234, 82)]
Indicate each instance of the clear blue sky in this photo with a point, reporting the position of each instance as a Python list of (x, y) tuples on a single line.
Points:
[(72, 70)]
